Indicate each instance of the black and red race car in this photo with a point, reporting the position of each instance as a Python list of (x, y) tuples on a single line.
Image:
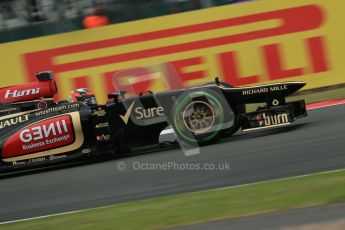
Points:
[(35, 130)]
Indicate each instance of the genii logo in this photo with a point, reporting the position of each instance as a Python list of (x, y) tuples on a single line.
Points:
[(267, 120), (44, 135)]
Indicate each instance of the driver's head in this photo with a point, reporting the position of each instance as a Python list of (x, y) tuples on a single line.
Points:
[(83, 95)]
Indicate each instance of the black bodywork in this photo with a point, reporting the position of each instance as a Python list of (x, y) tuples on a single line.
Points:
[(130, 125)]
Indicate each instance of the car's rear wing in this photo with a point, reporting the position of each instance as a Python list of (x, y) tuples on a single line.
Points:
[(272, 94)]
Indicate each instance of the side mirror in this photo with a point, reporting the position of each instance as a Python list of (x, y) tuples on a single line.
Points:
[(44, 75), (115, 96)]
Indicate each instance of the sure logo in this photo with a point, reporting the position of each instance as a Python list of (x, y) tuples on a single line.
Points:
[(142, 113), (149, 113)]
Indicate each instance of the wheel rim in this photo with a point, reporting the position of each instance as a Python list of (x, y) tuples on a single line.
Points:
[(198, 117)]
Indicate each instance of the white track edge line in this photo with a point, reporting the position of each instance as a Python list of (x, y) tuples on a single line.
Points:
[(324, 106)]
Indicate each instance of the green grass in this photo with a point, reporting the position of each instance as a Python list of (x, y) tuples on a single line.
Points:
[(169, 211)]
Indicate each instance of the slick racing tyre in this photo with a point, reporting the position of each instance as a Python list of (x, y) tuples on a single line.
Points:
[(198, 117), (237, 122)]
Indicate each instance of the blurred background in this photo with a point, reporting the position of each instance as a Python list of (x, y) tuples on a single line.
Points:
[(242, 42), (21, 19)]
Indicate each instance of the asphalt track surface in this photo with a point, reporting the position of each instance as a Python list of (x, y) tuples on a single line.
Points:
[(313, 144)]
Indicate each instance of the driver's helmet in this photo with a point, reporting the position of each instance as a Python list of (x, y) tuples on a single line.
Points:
[(83, 95)]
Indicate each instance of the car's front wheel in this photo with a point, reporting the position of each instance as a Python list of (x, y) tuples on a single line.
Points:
[(198, 118)]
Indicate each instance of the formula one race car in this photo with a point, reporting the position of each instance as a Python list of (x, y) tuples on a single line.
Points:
[(35, 130)]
